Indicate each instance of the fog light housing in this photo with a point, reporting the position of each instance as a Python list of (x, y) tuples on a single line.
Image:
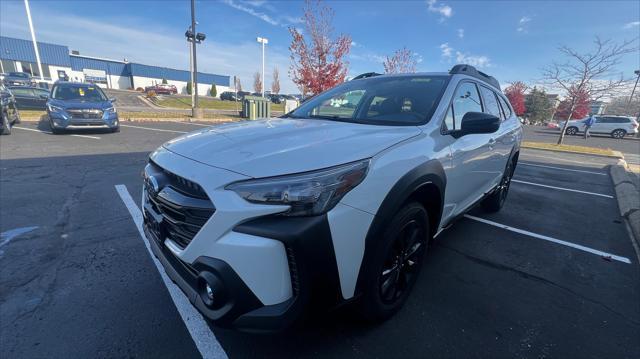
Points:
[(211, 290)]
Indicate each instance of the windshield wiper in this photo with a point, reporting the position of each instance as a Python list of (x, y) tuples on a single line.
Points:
[(330, 117)]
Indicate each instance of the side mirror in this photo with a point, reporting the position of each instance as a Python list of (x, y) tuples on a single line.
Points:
[(44, 97), (477, 122), (112, 100)]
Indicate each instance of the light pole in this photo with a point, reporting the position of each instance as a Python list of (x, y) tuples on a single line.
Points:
[(194, 38), (33, 38), (263, 41)]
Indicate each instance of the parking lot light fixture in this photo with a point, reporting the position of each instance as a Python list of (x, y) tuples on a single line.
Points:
[(263, 41), (194, 38)]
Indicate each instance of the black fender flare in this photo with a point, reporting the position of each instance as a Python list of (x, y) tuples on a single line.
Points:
[(428, 173)]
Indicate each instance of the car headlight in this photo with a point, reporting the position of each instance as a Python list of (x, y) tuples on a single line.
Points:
[(307, 194), (53, 108), (110, 110)]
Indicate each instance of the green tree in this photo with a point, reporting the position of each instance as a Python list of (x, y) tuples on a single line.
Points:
[(538, 106), (213, 91), (189, 87), (164, 81)]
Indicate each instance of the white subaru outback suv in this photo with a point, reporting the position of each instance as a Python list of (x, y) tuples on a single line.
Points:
[(263, 222)]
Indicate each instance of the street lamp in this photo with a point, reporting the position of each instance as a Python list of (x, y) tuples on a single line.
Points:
[(194, 38), (637, 72), (263, 41)]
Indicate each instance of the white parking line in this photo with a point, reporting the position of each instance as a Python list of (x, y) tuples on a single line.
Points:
[(153, 129), (202, 336), (50, 133), (562, 169), (562, 188), (553, 240)]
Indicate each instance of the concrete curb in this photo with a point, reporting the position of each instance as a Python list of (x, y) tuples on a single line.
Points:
[(615, 154), (628, 196)]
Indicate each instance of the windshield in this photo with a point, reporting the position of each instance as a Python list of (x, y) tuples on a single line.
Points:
[(19, 74), (82, 93), (400, 101)]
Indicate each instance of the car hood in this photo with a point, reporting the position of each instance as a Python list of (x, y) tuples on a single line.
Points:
[(80, 104), (272, 147)]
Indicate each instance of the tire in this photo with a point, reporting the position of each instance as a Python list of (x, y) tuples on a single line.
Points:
[(6, 125), (572, 131), (496, 200), (396, 263), (115, 130), (619, 133)]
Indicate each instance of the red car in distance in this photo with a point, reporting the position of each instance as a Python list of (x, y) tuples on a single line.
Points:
[(162, 89)]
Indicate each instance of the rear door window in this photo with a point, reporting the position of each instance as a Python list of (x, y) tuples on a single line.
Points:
[(490, 102), (505, 106)]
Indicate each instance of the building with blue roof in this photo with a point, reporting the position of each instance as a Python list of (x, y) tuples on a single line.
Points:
[(18, 55)]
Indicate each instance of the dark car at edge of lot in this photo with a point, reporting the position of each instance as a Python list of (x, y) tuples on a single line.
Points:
[(18, 79), (80, 106), (8, 111), (30, 98)]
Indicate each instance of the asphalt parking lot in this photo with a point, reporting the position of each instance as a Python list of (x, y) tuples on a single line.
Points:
[(554, 274)]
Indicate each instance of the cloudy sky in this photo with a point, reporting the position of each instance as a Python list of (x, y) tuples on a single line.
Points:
[(511, 40)]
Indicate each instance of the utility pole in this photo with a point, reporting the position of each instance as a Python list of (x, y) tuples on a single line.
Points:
[(263, 41), (196, 113), (33, 38), (637, 72)]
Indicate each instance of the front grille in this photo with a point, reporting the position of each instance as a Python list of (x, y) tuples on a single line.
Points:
[(182, 205), (85, 113)]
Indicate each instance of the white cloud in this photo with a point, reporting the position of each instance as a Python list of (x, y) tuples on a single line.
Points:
[(255, 8), (473, 60), (523, 24), (446, 51), (631, 25), (444, 10), (146, 42), (260, 15), (461, 33)]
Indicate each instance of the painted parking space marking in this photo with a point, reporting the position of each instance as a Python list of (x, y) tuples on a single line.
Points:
[(202, 336), (562, 188), (7, 236), (562, 169), (551, 239), (563, 159), (153, 129), (51, 133)]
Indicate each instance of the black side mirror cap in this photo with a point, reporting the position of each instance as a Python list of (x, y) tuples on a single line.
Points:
[(477, 122)]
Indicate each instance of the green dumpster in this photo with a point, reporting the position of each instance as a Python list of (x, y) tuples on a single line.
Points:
[(254, 107)]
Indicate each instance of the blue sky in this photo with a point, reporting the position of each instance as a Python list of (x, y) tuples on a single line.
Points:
[(511, 40)]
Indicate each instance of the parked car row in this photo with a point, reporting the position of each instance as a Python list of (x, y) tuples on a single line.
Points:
[(69, 106), (239, 96)]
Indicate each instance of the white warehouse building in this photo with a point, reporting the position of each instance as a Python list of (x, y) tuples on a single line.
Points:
[(18, 55)]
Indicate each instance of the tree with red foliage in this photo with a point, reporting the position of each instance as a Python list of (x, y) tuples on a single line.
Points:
[(402, 61), (580, 108), (588, 75), (318, 64), (515, 94)]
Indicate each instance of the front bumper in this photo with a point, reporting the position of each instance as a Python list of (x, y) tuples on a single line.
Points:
[(312, 266), (63, 120)]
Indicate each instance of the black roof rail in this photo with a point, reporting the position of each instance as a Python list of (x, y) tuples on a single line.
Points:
[(471, 71), (366, 75)]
